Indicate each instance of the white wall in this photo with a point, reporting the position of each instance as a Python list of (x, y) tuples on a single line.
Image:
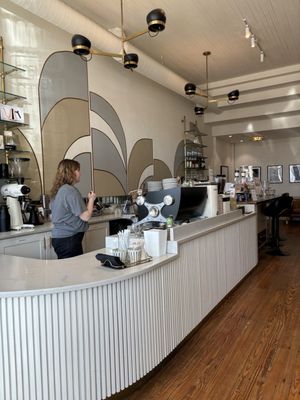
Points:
[(223, 155), (271, 152)]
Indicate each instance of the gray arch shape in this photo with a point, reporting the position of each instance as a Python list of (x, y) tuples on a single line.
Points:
[(179, 156), (64, 75), (107, 158), (102, 108)]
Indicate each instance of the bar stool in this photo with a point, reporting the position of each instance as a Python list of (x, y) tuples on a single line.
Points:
[(275, 209)]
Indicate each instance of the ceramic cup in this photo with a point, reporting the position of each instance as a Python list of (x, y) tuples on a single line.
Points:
[(121, 253), (134, 255)]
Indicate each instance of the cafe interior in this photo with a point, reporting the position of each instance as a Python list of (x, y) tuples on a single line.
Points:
[(180, 114)]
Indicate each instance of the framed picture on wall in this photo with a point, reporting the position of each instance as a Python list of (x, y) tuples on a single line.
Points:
[(256, 172), (294, 173), (224, 170), (275, 173)]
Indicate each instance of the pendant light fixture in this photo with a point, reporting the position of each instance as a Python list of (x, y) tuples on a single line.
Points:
[(156, 21), (191, 90)]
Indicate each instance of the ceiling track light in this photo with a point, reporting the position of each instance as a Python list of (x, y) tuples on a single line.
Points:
[(191, 90), (253, 40), (247, 31), (156, 21)]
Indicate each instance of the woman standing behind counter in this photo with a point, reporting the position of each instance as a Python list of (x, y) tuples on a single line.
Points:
[(70, 215)]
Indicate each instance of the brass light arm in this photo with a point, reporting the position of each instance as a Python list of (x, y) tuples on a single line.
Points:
[(201, 93), (135, 35), (106, 54), (156, 20)]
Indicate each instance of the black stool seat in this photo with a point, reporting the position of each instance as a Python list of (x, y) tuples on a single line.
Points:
[(275, 209)]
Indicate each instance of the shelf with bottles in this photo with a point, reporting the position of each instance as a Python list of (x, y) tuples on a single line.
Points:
[(193, 145), (9, 155), (9, 142), (196, 168), (14, 151), (194, 152), (196, 174), (11, 125), (195, 162)]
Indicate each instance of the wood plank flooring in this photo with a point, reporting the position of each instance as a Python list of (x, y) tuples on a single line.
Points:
[(248, 348)]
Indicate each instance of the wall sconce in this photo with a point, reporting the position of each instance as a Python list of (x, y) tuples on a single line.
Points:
[(156, 20), (191, 90), (253, 40)]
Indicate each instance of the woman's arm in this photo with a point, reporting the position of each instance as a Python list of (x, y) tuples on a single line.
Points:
[(86, 215)]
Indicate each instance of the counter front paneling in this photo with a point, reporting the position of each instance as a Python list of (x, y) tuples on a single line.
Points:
[(72, 329)]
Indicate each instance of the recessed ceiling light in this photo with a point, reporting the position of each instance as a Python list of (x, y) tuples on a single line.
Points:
[(229, 135), (256, 138), (241, 140)]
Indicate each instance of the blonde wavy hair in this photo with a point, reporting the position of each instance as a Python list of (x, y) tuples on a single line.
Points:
[(65, 174)]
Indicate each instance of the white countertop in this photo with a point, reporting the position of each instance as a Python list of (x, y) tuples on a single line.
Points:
[(47, 226), (184, 232), (20, 276)]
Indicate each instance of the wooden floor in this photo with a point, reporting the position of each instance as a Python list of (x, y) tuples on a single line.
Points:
[(248, 348)]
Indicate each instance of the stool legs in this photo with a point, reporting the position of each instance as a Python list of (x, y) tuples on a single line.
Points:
[(275, 250)]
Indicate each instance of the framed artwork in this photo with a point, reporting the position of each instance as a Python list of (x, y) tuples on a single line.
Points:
[(256, 172), (275, 173), (224, 170), (294, 173)]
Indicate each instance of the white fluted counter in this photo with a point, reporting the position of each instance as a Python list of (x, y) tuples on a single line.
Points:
[(72, 329)]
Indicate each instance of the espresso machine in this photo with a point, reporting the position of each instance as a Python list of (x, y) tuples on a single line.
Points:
[(183, 203), (11, 193)]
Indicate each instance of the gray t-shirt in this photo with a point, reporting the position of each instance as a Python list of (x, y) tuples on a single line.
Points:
[(66, 208)]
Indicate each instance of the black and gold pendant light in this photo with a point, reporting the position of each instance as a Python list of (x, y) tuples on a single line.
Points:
[(191, 90), (156, 21)]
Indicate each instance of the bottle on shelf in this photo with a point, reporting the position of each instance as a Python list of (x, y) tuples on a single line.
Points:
[(9, 141), (236, 176), (170, 221)]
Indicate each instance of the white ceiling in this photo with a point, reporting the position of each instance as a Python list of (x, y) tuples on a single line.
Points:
[(194, 26), (271, 135)]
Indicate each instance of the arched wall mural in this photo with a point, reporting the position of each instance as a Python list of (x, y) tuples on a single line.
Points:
[(64, 112), (65, 109)]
